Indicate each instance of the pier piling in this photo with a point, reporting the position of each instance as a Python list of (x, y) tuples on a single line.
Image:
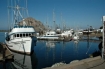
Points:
[(103, 45)]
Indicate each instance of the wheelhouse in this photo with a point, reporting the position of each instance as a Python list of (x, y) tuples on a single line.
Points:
[(23, 34)]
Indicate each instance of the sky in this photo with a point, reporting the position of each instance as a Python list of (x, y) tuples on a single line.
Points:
[(73, 13)]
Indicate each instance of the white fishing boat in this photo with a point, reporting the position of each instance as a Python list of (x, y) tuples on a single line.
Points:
[(20, 38), (50, 35), (67, 33)]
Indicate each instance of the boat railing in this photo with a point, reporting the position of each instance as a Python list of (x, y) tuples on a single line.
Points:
[(23, 26)]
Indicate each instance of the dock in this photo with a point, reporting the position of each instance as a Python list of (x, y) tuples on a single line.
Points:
[(5, 53), (89, 63), (59, 39)]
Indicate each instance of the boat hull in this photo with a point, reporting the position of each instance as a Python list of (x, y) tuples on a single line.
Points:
[(75, 38), (22, 45)]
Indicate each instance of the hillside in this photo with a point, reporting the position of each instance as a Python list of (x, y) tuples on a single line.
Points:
[(38, 26)]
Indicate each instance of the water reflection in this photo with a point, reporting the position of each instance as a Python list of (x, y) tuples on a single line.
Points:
[(76, 45), (50, 44), (24, 61), (50, 47), (62, 50), (76, 42)]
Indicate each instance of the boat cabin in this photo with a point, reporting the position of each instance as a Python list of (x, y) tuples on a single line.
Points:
[(21, 35), (21, 31)]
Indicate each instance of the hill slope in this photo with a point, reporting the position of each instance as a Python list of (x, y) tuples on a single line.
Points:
[(38, 26)]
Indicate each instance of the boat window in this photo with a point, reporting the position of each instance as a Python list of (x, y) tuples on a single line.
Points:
[(29, 34), (17, 35), (26, 34), (20, 35), (23, 35)]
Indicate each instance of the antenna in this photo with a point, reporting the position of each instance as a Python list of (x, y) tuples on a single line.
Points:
[(8, 16), (18, 2), (27, 9), (15, 11), (15, 2), (14, 17)]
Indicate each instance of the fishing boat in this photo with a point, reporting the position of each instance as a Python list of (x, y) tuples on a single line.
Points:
[(67, 33), (49, 35), (21, 38)]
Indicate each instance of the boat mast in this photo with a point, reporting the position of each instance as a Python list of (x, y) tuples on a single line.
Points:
[(54, 19), (16, 9), (47, 26), (8, 17), (61, 22)]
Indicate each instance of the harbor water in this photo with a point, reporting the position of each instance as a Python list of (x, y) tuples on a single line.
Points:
[(47, 53)]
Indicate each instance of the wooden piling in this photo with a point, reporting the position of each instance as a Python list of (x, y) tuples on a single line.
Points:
[(103, 45)]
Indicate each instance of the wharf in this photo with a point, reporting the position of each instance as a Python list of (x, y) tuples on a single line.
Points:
[(89, 63), (59, 39), (5, 53), (93, 35)]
